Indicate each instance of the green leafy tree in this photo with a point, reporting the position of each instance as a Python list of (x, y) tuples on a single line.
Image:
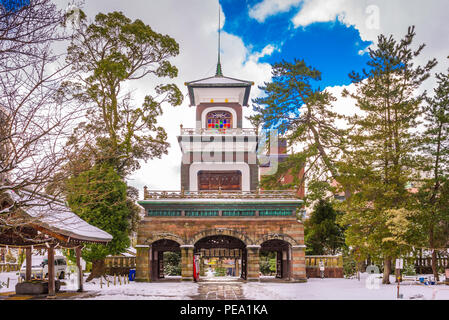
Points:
[(382, 157), (304, 114), (107, 55), (322, 234), (99, 197)]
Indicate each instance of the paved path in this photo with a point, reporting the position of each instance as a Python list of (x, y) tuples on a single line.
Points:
[(219, 291)]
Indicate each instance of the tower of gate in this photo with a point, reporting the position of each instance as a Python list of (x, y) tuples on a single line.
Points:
[(219, 154)]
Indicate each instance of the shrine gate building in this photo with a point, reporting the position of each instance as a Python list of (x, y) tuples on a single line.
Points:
[(220, 210)]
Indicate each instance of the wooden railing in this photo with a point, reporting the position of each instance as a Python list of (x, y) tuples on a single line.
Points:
[(206, 131), (8, 267), (214, 194), (118, 265)]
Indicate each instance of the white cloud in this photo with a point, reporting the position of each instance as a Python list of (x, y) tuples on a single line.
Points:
[(266, 8), (374, 17)]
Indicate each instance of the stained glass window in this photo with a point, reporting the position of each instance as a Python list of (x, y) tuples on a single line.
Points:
[(219, 120)]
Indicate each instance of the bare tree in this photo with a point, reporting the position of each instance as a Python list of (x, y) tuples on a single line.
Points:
[(35, 117)]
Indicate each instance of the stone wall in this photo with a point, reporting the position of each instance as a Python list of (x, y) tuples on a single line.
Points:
[(253, 231)]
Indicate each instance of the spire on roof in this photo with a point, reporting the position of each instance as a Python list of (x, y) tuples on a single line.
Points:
[(219, 72)]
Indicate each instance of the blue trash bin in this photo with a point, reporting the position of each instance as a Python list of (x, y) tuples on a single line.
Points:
[(132, 274)]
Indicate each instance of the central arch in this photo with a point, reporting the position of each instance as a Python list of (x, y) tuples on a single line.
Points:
[(228, 252), (222, 232)]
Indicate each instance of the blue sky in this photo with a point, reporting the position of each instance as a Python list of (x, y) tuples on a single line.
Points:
[(331, 47)]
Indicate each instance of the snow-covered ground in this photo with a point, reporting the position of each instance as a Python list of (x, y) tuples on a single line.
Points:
[(343, 289), (141, 291), (314, 289)]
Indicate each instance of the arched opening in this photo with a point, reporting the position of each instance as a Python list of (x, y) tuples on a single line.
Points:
[(165, 259), (221, 256), (274, 259)]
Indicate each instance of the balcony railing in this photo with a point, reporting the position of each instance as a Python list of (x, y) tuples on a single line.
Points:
[(221, 194), (206, 131)]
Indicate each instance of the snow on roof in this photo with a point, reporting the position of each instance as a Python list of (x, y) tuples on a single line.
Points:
[(55, 215)]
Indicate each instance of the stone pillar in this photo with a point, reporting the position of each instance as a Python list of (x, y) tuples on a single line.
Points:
[(187, 262), (298, 264), (253, 262), (143, 269)]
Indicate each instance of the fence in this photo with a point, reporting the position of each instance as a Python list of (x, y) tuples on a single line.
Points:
[(119, 265), (424, 265), (333, 266), (8, 267)]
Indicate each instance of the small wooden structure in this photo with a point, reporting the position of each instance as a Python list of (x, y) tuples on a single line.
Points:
[(49, 224)]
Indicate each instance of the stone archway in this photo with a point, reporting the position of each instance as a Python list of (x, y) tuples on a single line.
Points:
[(282, 252), (228, 251), (164, 235), (277, 236), (158, 250)]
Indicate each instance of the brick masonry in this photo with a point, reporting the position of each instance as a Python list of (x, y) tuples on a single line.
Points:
[(253, 231)]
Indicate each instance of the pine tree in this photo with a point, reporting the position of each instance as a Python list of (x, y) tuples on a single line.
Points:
[(382, 157), (296, 107)]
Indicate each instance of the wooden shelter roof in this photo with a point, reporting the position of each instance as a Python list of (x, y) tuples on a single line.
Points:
[(50, 220)]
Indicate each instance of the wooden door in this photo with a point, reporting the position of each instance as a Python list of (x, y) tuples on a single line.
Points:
[(279, 264), (244, 264), (160, 259), (215, 180)]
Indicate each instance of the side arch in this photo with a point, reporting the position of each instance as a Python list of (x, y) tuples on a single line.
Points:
[(164, 235), (277, 236)]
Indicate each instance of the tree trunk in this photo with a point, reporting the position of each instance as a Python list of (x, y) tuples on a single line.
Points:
[(387, 270), (98, 269), (434, 265)]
